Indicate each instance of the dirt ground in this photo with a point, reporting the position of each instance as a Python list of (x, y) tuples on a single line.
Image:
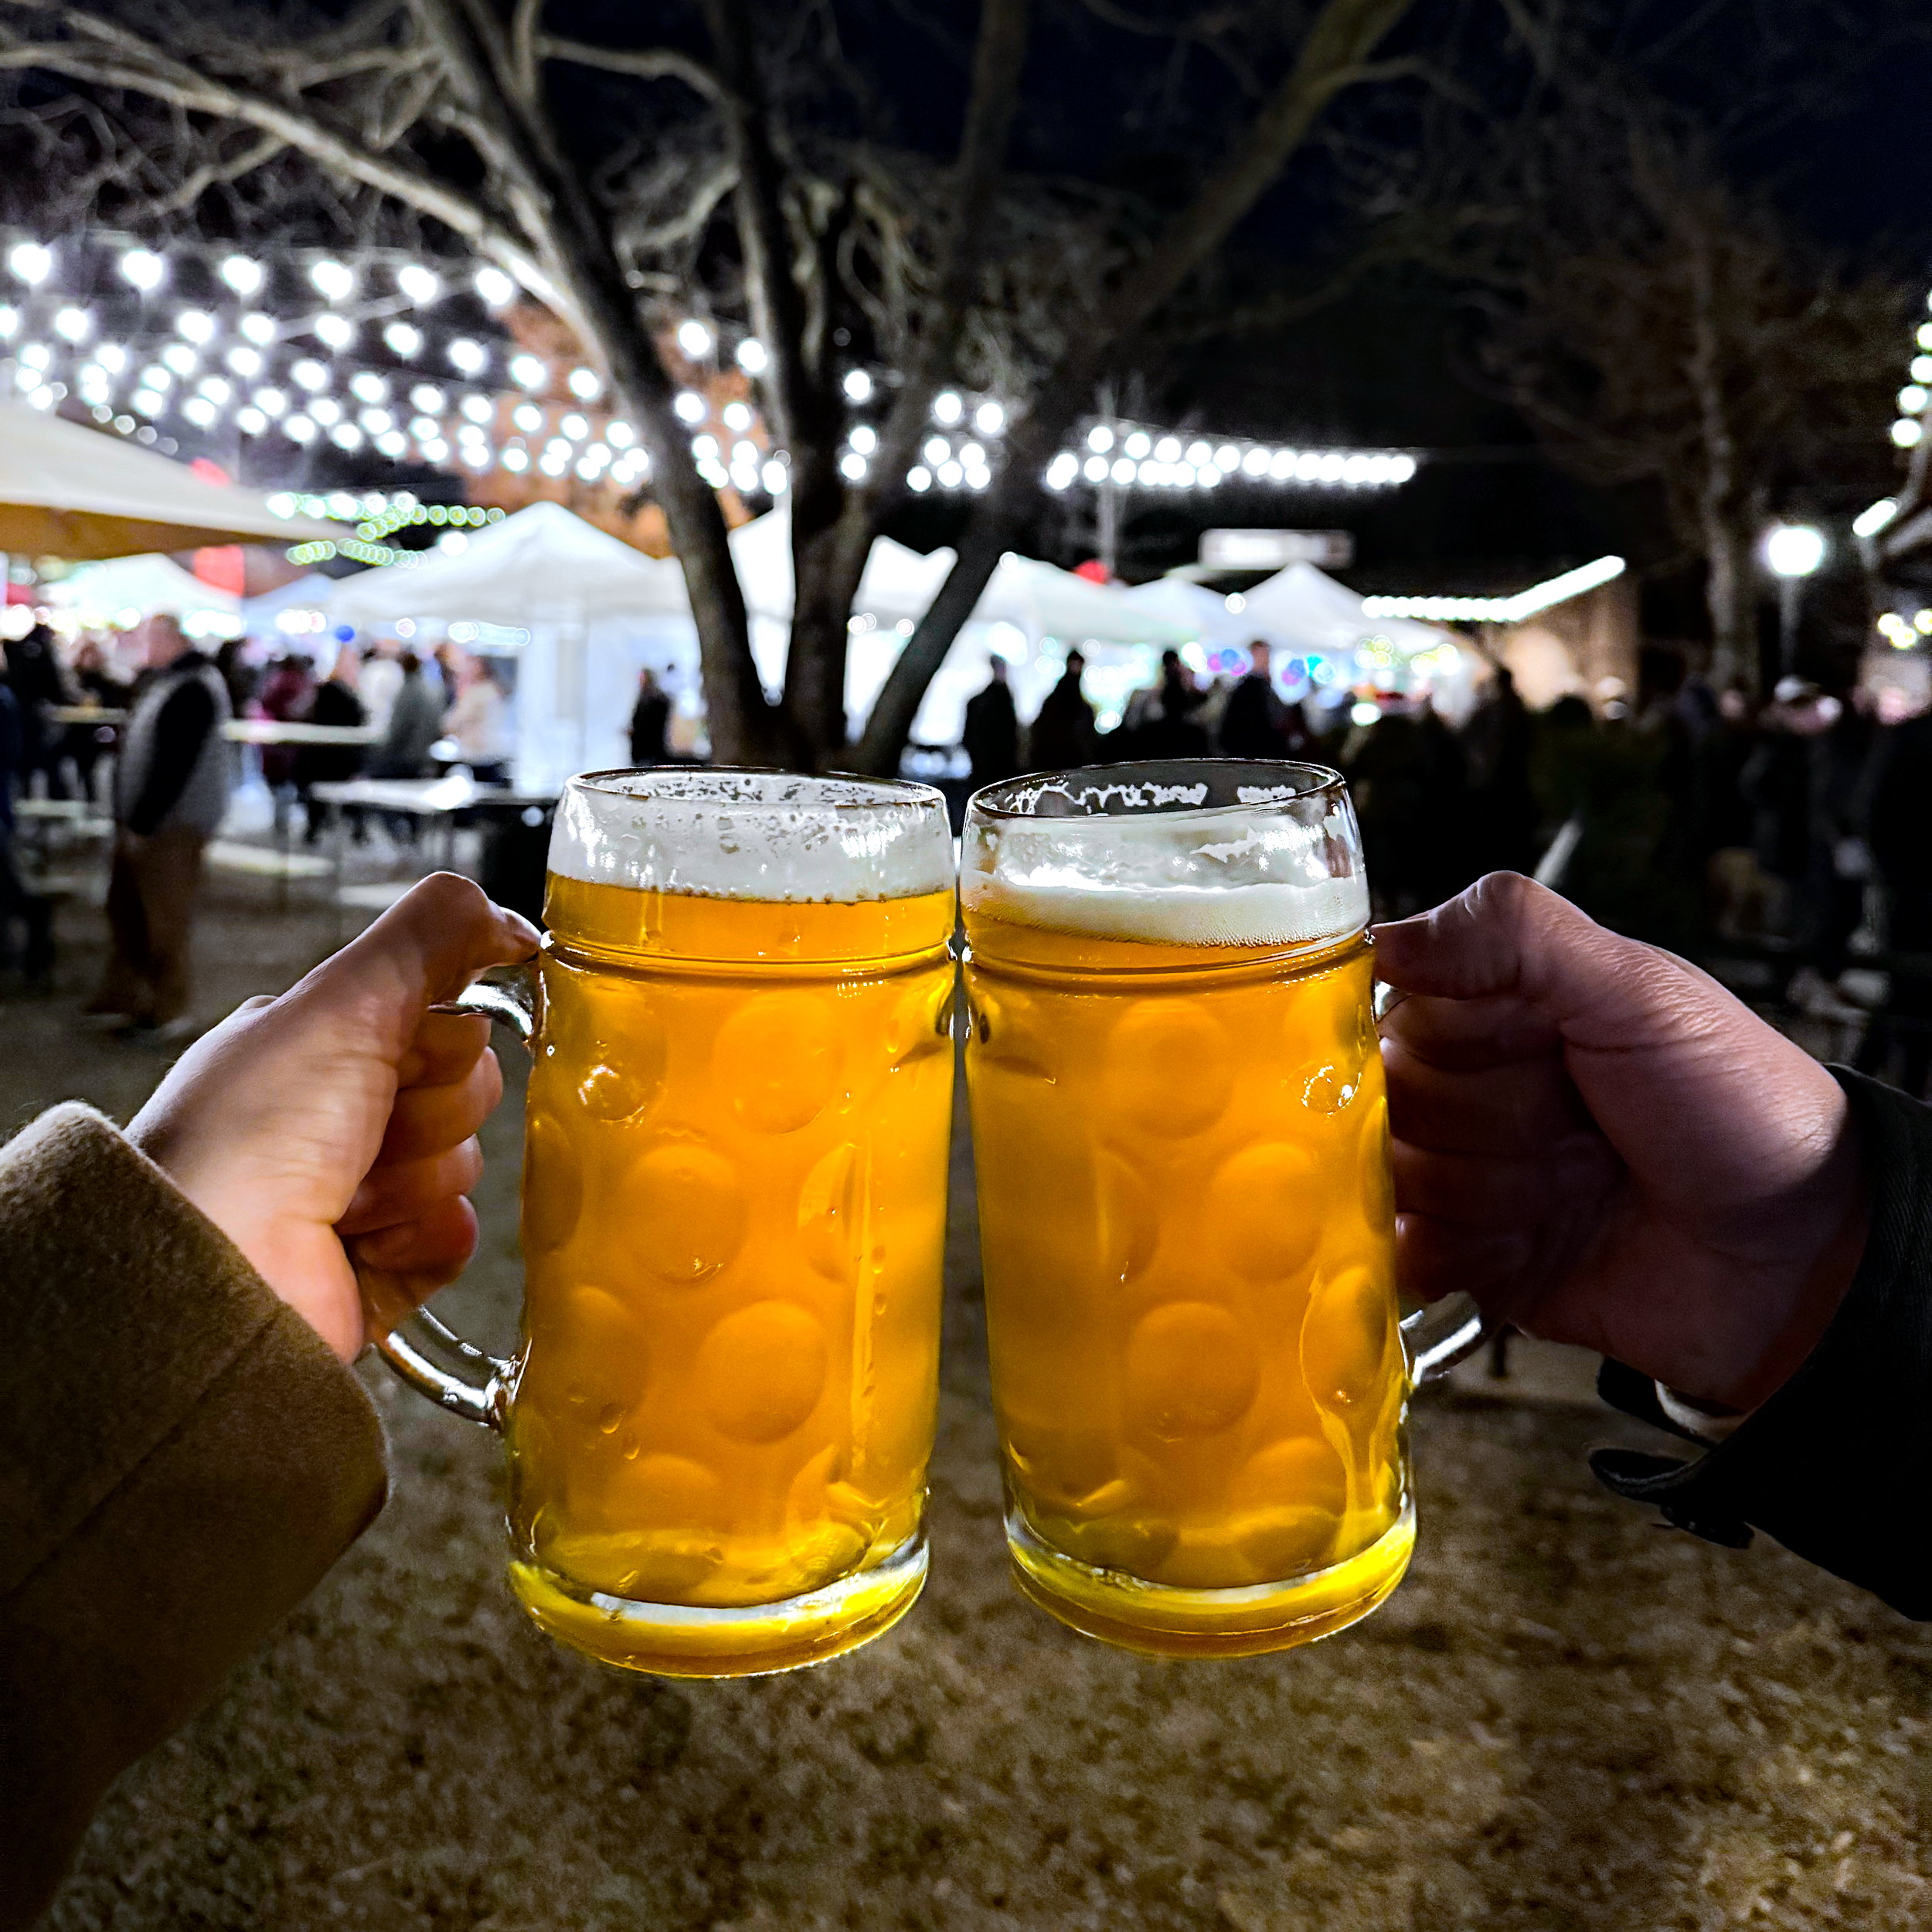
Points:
[(1565, 1719)]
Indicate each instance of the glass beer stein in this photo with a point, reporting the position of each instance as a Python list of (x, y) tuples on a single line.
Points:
[(1186, 1218), (734, 1205)]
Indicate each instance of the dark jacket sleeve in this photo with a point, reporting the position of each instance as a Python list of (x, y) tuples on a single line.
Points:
[(187, 716), (1835, 1463), (182, 1457)]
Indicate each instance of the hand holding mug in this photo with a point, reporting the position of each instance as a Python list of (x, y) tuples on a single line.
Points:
[(1604, 1147)]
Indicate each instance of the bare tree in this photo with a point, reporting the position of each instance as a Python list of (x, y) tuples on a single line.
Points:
[(740, 189), (1660, 319)]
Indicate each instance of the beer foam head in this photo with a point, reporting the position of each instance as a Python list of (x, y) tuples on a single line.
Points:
[(721, 834), (1206, 862)]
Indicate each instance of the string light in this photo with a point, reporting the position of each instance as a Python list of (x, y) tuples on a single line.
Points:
[(31, 262), (1512, 609), (421, 285), (144, 268), (495, 287), (403, 338), (244, 276), (695, 340)]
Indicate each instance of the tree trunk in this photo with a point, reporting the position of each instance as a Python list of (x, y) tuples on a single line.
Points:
[(1340, 40)]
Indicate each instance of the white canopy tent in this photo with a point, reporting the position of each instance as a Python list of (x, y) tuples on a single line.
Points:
[(124, 588), (68, 490), (595, 609), (541, 563), (1300, 608), (1205, 612)]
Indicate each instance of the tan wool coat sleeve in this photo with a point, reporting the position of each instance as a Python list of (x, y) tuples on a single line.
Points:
[(182, 1457)]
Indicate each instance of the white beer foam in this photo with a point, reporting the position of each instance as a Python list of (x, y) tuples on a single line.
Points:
[(1261, 915), (753, 834), (1218, 877)]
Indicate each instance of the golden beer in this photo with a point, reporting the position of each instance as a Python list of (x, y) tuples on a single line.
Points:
[(733, 1220), (1186, 1220)]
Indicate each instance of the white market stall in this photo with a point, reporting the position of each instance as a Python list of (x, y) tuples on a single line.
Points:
[(67, 490), (123, 590), (596, 611)]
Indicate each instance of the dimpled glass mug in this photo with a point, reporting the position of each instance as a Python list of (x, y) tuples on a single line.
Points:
[(734, 1206), (1186, 1220)]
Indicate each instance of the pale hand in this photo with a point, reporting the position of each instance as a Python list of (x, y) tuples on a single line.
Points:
[(331, 1132), (1603, 1146)]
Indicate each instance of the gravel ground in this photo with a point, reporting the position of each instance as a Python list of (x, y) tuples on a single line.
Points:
[(1565, 1719)]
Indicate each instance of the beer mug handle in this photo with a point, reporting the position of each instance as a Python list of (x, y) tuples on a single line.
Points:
[(430, 1356), (1453, 1329)]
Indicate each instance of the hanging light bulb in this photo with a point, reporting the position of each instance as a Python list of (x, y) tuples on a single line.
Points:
[(403, 339), (333, 330), (468, 358), (494, 286), (244, 276), (695, 339), (32, 263), (144, 268), (529, 372), (73, 324), (259, 328), (421, 285), (333, 280)]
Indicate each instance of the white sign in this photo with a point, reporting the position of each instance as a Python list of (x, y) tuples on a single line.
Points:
[(1274, 549)]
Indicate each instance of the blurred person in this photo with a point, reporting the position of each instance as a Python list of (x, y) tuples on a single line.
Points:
[(236, 660), (336, 703), (1255, 722), (284, 697), (1063, 733), (650, 721), (1390, 777), (36, 677), (32, 911), (185, 1448), (415, 722), (476, 720), (991, 732), (1805, 780), (1162, 724), (1900, 810), (381, 678), (172, 784), (1496, 743), (94, 677)]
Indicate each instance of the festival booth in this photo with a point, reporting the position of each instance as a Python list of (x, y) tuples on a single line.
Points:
[(121, 591), (1322, 623), (1031, 614), (578, 612), (67, 490), (295, 617)]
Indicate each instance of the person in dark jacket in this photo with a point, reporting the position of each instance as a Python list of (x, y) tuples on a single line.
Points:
[(35, 676), (1063, 733), (650, 721), (171, 792), (336, 703), (991, 732), (1256, 723)]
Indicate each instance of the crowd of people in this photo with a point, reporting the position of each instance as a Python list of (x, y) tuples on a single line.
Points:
[(173, 771), (1696, 817)]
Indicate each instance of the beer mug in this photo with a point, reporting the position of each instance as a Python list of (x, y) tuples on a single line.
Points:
[(1186, 1218), (734, 1207)]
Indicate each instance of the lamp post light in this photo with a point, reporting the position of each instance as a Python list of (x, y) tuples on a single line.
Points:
[(1792, 552)]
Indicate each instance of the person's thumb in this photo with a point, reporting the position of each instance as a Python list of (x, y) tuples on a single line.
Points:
[(426, 948)]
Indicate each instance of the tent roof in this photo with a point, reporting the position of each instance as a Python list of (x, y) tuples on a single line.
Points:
[(544, 565), (142, 583), (1205, 612), (68, 490), (1047, 601), (309, 592), (1301, 607), (899, 582)]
